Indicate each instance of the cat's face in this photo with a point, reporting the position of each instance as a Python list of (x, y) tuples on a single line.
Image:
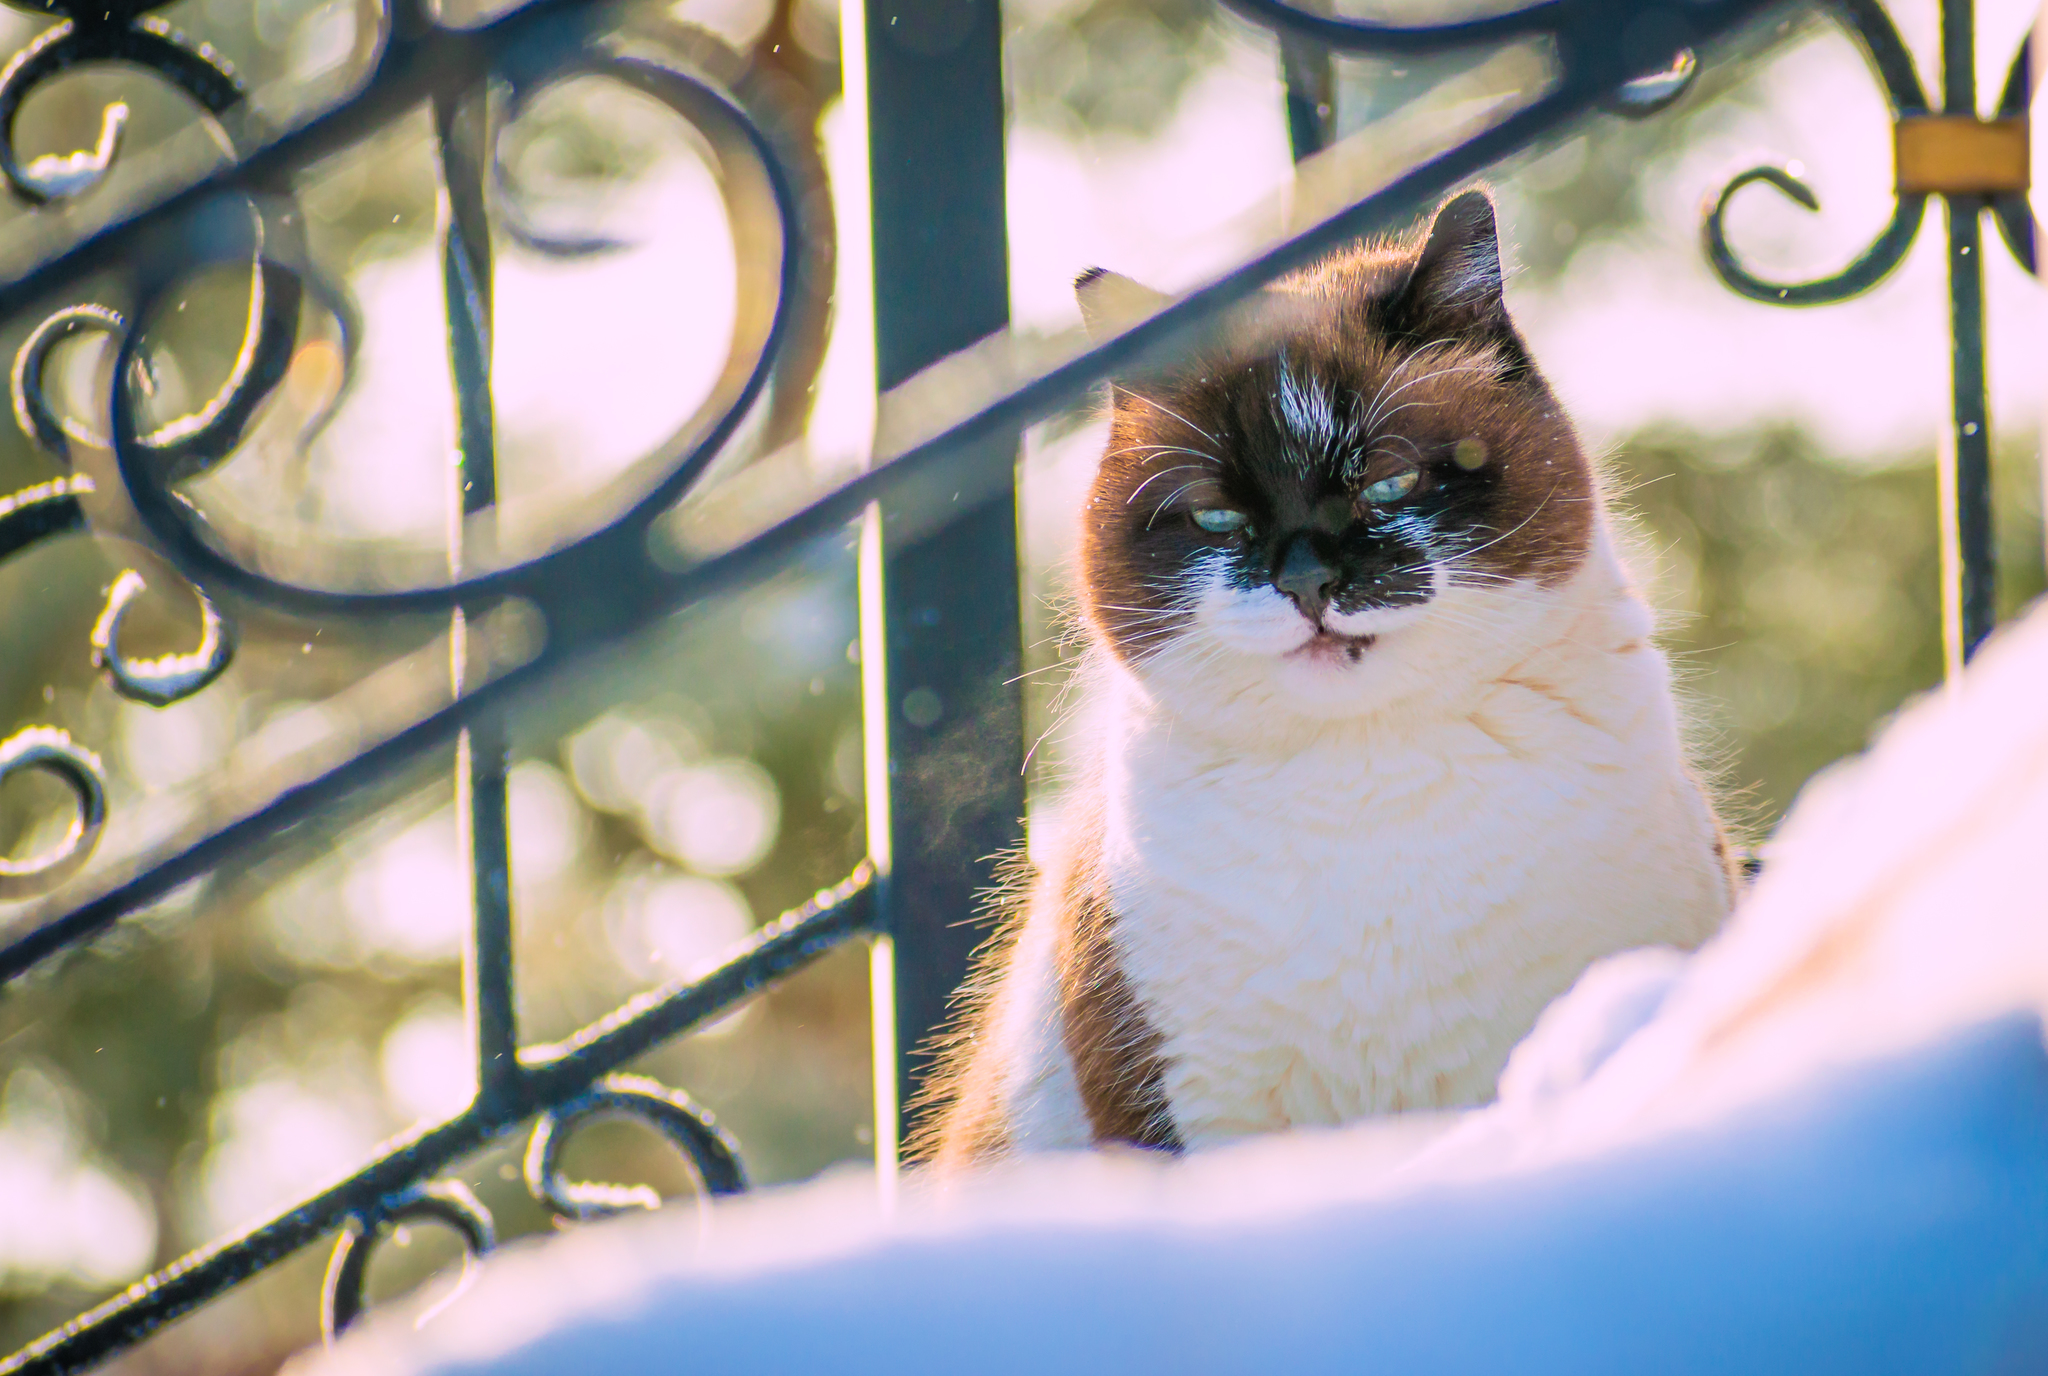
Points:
[(1367, 490)]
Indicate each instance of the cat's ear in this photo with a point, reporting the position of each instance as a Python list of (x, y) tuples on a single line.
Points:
[(1456, 287), (1111, 302)]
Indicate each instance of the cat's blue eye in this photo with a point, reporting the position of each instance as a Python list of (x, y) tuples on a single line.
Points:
[(1219, 520), (1393, 487)]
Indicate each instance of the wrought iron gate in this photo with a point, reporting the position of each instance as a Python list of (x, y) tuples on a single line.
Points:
[(940, 614)]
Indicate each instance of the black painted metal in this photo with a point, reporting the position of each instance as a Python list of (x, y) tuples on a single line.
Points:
[(712, 1153), (948, 568), (1969, 437), (461, 128), (446, 1202), (1308, 69), (548, 1076), (1872, 29), (948, 528), (1969, 406), (2014, 216)]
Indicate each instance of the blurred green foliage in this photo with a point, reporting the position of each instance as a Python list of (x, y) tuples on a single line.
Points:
[(1800, 595), (1801, 598), (1116, 68)]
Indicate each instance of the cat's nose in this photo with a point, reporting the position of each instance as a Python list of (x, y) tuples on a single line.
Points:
[(1303, 576)]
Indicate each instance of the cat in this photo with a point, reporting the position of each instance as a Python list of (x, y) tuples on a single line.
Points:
[(1376, 754)]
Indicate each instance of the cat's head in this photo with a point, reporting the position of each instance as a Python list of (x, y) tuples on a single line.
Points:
[(1363, 487)]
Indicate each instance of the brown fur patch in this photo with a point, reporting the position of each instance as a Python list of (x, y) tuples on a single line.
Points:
[(1380, 360), (1544, 689), (1115, 1050)]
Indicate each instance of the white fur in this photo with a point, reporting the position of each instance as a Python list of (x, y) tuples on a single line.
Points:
[(1345, 888), (1306, 414), (1042, 1100)]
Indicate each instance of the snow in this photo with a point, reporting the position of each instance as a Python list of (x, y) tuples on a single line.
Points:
[(1819, 1144)]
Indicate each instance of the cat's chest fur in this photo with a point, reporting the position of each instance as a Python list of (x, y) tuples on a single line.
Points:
[(1366, 919)]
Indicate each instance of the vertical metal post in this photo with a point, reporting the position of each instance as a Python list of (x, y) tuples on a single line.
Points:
[(941, 624), (1310, 74), (460, 124), (1976, 584)]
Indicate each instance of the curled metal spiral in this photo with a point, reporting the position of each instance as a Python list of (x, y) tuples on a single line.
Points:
[(54, 752), (446, 1202), (97, 31), (1892, 63), (711, 1151), (199, 441), (42, 510), (757, 183), (169, 678), (101, 31), (191, 444), (1871, 266), (188, 445), (33, 411)]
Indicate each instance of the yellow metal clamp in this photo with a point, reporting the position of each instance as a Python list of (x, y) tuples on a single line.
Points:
[(1960, 155)]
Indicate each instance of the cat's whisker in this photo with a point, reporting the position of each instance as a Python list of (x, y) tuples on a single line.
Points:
[(1400, 368), (1169, 501), (1417, 382), (1166, 411), (1409, 406), (1034, 673), (1177, 468), (1509, 534), (1352, 469), (1163, 449), (1455, 369)]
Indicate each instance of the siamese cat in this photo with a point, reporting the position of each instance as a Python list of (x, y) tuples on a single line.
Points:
[(1376, 751)]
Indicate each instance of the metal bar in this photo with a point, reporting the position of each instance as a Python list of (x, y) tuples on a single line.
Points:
[(1972, 432), (659, 591), (1958, 58), (949, 595), (556, 1072), (1977, 609), (461, 128), (487, 988), (776, 951), (1309, 71), (2015, 217)]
